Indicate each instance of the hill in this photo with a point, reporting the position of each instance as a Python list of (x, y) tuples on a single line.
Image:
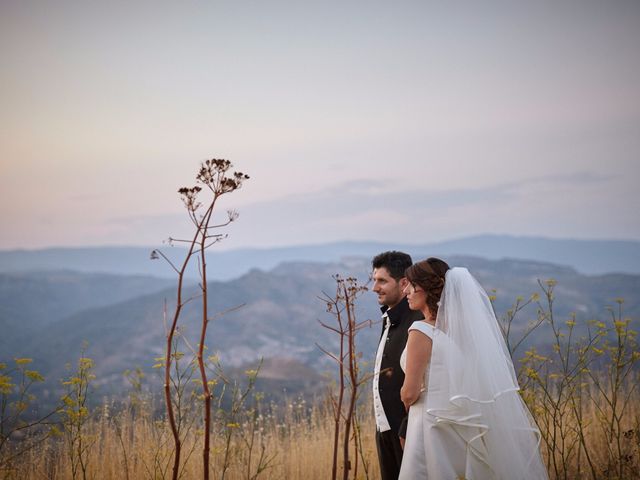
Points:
[(30, 302), (279, 318)]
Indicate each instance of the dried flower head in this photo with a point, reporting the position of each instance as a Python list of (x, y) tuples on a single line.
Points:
[(233, 215), (189, 197), (213, 174)]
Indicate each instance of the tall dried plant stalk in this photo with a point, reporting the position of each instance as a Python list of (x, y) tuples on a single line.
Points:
[(215, 176), (342, 307), (581, 388)]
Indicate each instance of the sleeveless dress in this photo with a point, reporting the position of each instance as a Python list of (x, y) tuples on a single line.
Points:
[(433, 449)]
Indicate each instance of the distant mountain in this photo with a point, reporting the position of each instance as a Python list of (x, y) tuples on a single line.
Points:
[(30, 302), (592, 257), (278, 320), (586, 256), (113, 260)]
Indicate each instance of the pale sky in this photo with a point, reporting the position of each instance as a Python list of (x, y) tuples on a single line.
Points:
[(408, 121)]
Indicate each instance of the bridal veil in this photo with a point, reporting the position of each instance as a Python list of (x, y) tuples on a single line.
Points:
[(473, 389)]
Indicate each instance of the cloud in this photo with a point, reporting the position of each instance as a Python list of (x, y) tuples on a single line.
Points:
[(577, 179), (357, 210), (365, 209)]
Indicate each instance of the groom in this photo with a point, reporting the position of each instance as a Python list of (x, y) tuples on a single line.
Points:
[(388, 283)]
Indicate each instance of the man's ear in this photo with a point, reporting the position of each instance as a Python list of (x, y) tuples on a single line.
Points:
[(403, 282)]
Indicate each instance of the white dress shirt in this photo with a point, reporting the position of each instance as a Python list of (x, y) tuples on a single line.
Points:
[(382, 424)]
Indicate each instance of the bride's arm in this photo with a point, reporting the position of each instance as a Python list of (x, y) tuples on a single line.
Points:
[(418, 355)]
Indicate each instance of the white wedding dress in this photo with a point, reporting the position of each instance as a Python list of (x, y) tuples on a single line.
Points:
[(470, 421), (414, 464), (432, 449)]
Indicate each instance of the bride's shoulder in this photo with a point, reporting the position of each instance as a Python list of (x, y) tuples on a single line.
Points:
[(424, 327)]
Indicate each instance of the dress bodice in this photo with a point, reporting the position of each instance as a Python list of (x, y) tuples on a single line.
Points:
[(422, 327)]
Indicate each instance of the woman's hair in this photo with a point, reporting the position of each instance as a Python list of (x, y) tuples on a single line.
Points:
[(429, 276)]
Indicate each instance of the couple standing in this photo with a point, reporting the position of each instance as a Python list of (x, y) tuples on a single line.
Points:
[(445, 393)]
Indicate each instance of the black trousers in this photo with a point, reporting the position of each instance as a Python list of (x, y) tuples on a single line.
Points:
[(389, 454)]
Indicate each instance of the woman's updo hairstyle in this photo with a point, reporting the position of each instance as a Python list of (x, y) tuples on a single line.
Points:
[(428, 275)]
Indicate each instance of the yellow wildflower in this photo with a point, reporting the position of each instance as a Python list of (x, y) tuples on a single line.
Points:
[(5, 384), (34, 376)]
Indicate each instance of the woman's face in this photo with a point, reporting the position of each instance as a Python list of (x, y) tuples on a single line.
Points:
[(416, 296)]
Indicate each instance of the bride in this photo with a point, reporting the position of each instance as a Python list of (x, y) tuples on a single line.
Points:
[(466, 417)]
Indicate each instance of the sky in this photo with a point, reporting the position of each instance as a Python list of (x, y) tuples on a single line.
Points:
[(407, 121)]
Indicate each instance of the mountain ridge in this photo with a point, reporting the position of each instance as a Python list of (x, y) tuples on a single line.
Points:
[(280, 316), (586, 256)]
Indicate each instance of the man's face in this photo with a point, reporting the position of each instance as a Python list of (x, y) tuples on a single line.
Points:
[(388, 289)]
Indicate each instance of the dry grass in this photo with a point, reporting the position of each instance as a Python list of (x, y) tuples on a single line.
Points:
[(614, 450), (298, 445)]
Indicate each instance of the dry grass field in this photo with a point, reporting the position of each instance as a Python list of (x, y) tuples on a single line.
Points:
[(298, 445)]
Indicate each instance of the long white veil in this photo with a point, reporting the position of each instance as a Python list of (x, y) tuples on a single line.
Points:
[(473, 386)]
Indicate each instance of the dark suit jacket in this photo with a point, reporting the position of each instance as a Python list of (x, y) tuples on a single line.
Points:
[(401, 317)]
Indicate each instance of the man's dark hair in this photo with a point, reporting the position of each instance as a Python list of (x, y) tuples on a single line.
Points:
[(395, 262)]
